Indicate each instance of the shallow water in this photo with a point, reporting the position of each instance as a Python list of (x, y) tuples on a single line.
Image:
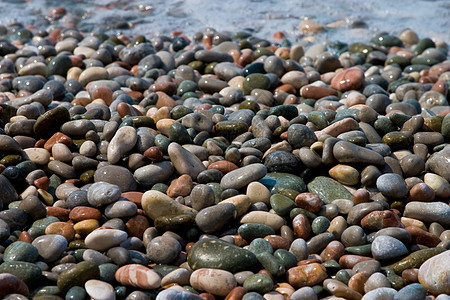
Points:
[(150, 18)]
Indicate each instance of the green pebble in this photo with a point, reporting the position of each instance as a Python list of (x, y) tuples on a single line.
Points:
[(397, 282), (25, 271), (21, 251), (174, 223), (259, 283), (11, 160), (77, 244), (78, 275), (278, 181), (384, 125), (287, 258), (320, 224), (8, 112), (26, 167), (445, 127), (76, 293), (255, 81), (343, 276), (87, 176), (272, 264), (427, 61), (217, 189), (50, 122), (178, 133), (38, 226), (251, 231), (46, 290), (415, 259), (163, 270), (423, 45), (397, 140), (359, 48), (387, 41), (107, 272), (348, 113), (331, 265), (363, 250), (282, 205), (318, 118), (180, 111), (287, 111), (142, 121), (230, 127), (249, 104), (263, 51), (188, 95), (162, 142), (328, 189), (399, 119), (260, 245), (399, 60), (162, 187), (121, 291), (59, 65), (186, 86), (256, 67), (218, 254)]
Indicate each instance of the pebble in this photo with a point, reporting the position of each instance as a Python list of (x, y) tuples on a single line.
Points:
[(385, 247), (138, 276), (434, 274), (98, 289), (214, 281), (243, 176), (103, 193), (103, 239)]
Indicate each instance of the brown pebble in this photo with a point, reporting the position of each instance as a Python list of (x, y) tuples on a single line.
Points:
[(207, 296), (58, 137), (309, 201), (334, 250), (277, 242), (182, 186), (377, 220), (24, 236), (61, 213), (422, 237), (81, 213), (421, 192), (301, 226), (357, 282), (348, 261), (134, 197), (154, 154), (361, 196), (42, 183), (236, 294), (61, 228), (137, 225), (411, 275), (223, 166)]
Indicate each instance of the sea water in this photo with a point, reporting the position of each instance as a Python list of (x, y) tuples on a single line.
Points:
[(359, 19)]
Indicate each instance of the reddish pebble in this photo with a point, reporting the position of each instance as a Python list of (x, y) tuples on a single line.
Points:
[(2, 168), (61, 228), (24, 236), (316, 92), (61, 213), (134, 197), (348, 261), (422, 237), (42, 183), (306, 275), (357, 282), (125, 109), (224, 166), (309, 201), (165, 100), (440, 68), (104, 94), (170, 88), (334, 250), (58, 137), (182, 186), (57, 12), (154, 154), (421, 192), (236, 294), (301, 226), (441, 86), (361, 196), (349, 79), (10, 284), (81, 213), (278, 242), (138, 276), (377, 220), (411, 275), (207, 296), (137, 225)]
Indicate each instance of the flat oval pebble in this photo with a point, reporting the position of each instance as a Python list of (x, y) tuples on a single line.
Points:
[(386, 248), (103, 239), (241, 177), (138, 276), (98, 289), (216, 282)]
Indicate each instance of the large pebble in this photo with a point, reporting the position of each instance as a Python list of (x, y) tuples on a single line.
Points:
[(138, 276), (122, 142), (243, 176), (184, 161), (385, 247), (434, 274), (50, 246), (100, 290), (216, 282), (103, 239), (102, 193)]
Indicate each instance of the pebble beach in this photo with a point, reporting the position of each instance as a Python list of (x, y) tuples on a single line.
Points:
[(222, 164)]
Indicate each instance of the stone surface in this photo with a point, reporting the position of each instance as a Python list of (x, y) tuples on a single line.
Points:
[(434, 274)]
